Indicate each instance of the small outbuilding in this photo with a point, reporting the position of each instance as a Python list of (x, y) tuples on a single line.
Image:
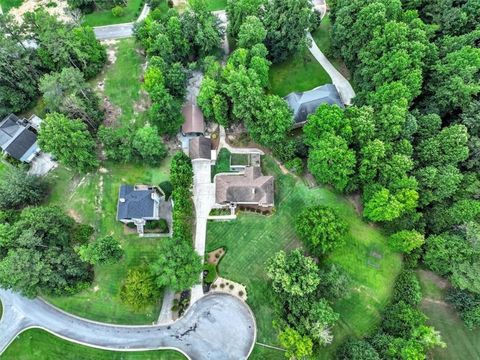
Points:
[(306, 103), (200, 148), (194, 124)]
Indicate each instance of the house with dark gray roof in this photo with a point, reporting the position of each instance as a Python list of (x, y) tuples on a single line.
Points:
[(18, 138), (249, 188), (141, 203), (306, 103)]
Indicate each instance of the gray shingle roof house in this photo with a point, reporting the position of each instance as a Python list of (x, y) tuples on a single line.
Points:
[(249, 188), (304, 104), (18, 138), (140, 203), (200, 148)]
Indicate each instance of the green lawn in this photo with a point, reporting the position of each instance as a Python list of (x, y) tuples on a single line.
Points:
[(300, 72), (92, 199), (461, 342), (122, 81), (8, 4), (105, 17), (213, 5), (37, 344), (324, 42), (252, 239)]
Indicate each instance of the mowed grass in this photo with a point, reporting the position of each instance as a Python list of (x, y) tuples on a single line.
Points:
[(322, 37), (92, 199), (122, 81), (8, 4), (36, 344), (252, 239), (300, 72), (462, 343), (213, 5), (105, 17)]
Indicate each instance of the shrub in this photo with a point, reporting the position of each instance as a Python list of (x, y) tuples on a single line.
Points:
[(357, 350), (212, 273), (295, 165), (240, 293), (231, 287), (117, 11), (161, 225), (102, 250), (82, 234), (167, 188), (406, 240), (468, 305), (407, 288), (131, 225)]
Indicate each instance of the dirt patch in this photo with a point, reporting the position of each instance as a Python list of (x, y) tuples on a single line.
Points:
[(112, 112), (75, 215), (356, 201), (112, 47), (215, 256), (439, 281), (61, 11), (143, 104)]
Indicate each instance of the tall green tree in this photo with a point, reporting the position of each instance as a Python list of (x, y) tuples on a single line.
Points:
[(68, 93), (292, 274), (69, 141), (251, 32), (19, 189), (149, 145), (286, 34), (321, 229), (101, 251)]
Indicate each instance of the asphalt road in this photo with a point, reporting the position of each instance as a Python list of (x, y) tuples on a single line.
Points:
[(111, 32), (217, 326)]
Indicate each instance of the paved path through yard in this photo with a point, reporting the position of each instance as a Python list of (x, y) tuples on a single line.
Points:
[(218, 326), (343, 86)]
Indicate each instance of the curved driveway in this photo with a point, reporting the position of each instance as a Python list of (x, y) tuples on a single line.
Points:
[(217, 326)]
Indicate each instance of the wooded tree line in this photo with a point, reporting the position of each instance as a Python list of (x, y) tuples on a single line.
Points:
[(410, 142), (44, 45)]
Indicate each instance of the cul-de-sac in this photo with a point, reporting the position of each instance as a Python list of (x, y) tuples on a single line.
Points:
[(240, 179)]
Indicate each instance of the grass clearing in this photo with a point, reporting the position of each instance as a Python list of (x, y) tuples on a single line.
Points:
[(92, 199), (213, 5), (105, 17), (462, 343), (300, 72), (9, 4), (122, 81), (36, 344), (252, 239), (322, 37)]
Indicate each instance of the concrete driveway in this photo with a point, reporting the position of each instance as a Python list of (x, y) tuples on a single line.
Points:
[(218, 326), (119, 31)]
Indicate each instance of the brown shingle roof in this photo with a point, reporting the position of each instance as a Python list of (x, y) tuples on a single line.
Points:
[(200, 148), (248, 188), (194, 122)]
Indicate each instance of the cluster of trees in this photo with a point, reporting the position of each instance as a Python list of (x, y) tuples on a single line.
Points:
[(40, 45), (410, 142), (236, 92), (42, 250), (403, 332), (304, 293), (173, 41), (265, 21), (177, 266), (88, 6)]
